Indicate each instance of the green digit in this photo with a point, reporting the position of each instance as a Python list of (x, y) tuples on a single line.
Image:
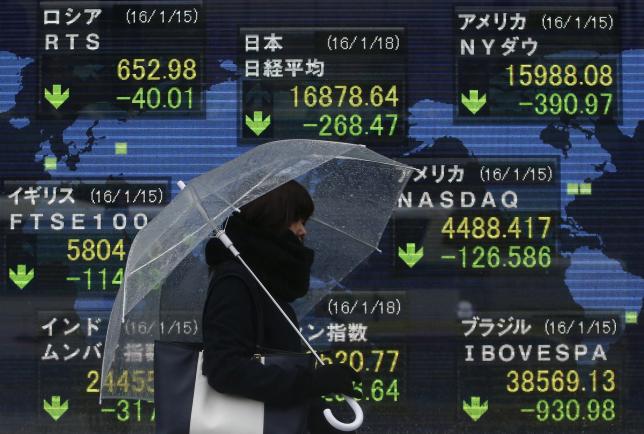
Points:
[(138, 98), (493, 257), (174, 98), (540, 107), (592, 103), (325, 120), (609, 99), (376, 125), (558, 406), (463, 252), (123, 414), (340, 125), (480, 251), (377, 390), (555, 103), (394, 121), (529, 259), (572, 410), (608, 408), (543, 410), (355, 125), (593, 408), (392, 390), (570, 104), (154, 97), (88, 272), (103, 274), (545, 259)]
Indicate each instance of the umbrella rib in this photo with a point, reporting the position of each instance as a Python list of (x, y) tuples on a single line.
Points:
[(253, 187), (177, 244), (346, 233), (400, 165), (208, 221), (232, 205)]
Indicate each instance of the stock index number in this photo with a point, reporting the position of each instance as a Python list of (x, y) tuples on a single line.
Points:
[(343, 95), (155, 69)]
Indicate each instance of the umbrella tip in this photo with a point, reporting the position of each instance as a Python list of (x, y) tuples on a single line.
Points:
[(181, 184)]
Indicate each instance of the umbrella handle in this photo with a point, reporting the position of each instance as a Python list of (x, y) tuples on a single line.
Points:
[(351, 426)]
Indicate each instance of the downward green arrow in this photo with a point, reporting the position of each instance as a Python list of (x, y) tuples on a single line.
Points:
[(55, 409), (475, 409), (20, 277), (472, 102), (56, 97), (257, 124), (410, 256)]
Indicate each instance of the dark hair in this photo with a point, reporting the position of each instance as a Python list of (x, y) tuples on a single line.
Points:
[(277, 209)]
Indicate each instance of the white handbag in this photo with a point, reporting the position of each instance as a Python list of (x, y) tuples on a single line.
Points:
[(214, 412)]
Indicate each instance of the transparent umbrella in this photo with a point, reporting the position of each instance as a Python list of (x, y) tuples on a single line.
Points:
[(166, 278)]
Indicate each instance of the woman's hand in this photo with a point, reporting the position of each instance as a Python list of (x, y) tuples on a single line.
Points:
[(336, 379)]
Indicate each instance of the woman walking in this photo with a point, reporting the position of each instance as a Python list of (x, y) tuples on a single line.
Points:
[(269, 233)]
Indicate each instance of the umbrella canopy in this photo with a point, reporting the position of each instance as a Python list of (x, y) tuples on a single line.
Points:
[(166, 278)]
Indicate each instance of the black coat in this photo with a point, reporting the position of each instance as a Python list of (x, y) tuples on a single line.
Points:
[(231, 338), (230, 327)]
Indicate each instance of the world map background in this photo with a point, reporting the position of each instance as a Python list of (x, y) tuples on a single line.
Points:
[(601, 235)]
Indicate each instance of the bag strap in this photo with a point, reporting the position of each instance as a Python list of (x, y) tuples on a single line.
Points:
[(235, 270)]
